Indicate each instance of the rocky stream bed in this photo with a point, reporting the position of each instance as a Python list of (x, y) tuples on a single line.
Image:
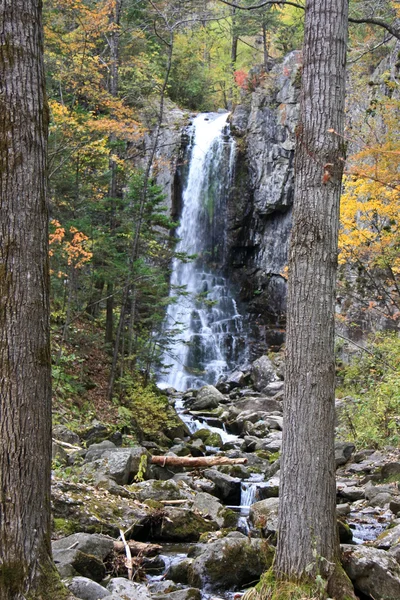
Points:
[(210, 532)]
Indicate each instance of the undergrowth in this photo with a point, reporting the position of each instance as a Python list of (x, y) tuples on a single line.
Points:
[(370, 386)]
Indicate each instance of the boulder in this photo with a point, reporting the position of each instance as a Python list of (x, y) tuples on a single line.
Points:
[(179, 525), (86, 589), (208, 397), (63, 434), (209, 508), (231, 562), (388, 539), (185, 594), (179, 572), (128, 589), (264, 515), (373, 572), (84, 508), (343, 452), (119, 464), (380, 495), (263, 373), (154, 489), (97, 545), (227, 488), (71, 562)]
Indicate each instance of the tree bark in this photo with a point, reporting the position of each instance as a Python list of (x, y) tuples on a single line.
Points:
[(307, 527), (26, 570)]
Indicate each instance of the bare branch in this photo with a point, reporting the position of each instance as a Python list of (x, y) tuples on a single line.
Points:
[(265, 3), (379, 22)]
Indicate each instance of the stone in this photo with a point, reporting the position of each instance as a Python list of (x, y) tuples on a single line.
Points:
[(58, 453), (63, 434), (373, 572), (86, 589), (273, 388), (70, 562), (380, 495), (87, 509), (119, 464), (227, 488), (389, 538), (161, 490), (209, 507), (351, 493), (231, 562), (208, 397), (263, 373), (179, 572), (185, 594), (180, 525), (96, 451), (97, 545), (390, 470), (343, 452), (264, 515), (128, 589)]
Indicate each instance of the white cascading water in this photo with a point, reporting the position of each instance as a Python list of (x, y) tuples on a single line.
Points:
[(210, 340)]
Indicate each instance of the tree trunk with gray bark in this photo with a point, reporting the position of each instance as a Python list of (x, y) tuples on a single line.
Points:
[(308, 542), (26, 569)]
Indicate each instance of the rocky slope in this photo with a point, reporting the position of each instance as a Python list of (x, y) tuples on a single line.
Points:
[(211, 530)]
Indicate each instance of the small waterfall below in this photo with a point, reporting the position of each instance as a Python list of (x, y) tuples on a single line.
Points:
[(210, 339)]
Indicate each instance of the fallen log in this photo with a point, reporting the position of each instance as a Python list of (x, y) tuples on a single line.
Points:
[(196, 461), (137, 548)]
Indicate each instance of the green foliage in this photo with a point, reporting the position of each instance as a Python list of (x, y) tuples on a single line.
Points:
[(372, 415), (140, 475), (270, 588)]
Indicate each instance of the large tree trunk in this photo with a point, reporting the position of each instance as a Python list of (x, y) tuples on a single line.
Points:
[(26, 569), (307, 529)]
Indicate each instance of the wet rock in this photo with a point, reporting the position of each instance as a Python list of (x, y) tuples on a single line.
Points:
[(128, 589), (209, 507), (185, 594), (227, 488), (179, 572), (264, 515), (86, 589), (162, 587), (345, 533), (373, 572), (389, 538), (231, 562), (207, 397), (263, 373), (209, 438)]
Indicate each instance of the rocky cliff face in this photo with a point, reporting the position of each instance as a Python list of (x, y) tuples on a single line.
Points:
[(259, 219)]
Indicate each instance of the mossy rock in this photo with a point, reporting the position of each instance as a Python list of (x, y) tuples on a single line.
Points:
[(231, 562), (179, 525), (65, 527)]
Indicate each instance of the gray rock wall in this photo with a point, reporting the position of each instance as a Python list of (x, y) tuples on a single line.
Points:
[(260, 213)]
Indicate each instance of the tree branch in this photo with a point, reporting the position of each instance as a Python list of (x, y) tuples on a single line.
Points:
[(367, 20)]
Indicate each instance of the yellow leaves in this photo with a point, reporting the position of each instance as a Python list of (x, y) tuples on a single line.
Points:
[(74, 250), (370, 205)]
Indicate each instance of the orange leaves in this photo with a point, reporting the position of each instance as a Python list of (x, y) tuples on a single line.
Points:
[(74, 251)]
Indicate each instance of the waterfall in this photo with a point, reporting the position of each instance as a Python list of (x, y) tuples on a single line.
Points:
[(210, 336)]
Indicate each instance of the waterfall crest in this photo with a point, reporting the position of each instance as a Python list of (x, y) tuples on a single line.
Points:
[(210, 340)]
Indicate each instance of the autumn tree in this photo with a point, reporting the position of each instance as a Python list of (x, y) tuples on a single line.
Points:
[(26, 569)]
